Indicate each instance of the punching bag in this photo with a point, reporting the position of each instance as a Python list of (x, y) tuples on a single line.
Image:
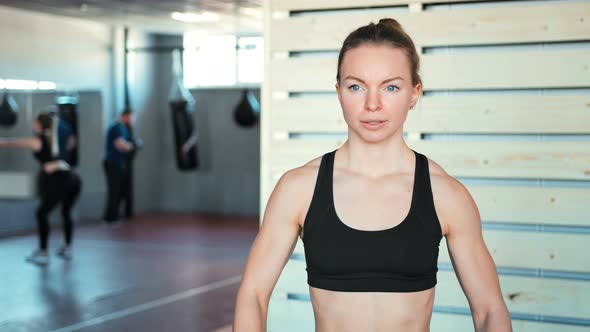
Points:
[(247, 111), (8, 111), (67, 110), (181, 104)]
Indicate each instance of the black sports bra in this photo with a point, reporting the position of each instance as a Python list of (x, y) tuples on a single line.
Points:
[(398, 259), (44, 155)]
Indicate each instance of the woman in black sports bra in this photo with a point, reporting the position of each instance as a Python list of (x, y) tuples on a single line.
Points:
[(366, 211), (57, 183)]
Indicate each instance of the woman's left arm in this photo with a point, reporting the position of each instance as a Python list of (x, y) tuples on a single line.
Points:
[(470, 257), (28, 142)]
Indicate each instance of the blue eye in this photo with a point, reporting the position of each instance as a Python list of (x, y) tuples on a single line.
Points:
[(392, 88), (354, 87)]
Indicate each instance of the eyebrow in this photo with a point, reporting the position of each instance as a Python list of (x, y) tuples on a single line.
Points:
[(385, 81)]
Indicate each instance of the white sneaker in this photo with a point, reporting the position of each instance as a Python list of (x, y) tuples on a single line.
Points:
[(65, 252), (38, 257)]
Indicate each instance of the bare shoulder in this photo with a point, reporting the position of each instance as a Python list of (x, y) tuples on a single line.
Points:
[(302, 176), (298, 185), (453, 202)]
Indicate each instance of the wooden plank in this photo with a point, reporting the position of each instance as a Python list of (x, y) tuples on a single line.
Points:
[(525, 295), (529, 250), (538, 296), (301, 5), (502, 114), (551, 251), (492, 70), (529, 205), (482, 26), (484, 159)]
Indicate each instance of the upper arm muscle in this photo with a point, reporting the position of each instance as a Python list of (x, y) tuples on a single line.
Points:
[(470, 257), (278, 234)]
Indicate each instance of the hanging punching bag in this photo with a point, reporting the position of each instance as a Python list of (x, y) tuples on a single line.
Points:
[(8, 111), (67, 109), (181, 104), (247, 111)]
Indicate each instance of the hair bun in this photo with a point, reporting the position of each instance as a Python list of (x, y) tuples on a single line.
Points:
[(390, 22)]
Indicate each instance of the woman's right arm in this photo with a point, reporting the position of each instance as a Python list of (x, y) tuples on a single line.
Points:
[(32, 143), (270, 251)]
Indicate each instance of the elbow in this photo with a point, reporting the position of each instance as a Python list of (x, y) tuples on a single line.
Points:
[(496, 319), (254, 295), (251, 310)]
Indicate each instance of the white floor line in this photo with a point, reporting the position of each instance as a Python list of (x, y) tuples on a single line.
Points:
[(151, 304)]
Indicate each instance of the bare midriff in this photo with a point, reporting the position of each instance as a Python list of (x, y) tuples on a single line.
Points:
[(371, 311)]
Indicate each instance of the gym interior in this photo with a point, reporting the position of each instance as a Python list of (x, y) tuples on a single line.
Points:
[(214, 100)]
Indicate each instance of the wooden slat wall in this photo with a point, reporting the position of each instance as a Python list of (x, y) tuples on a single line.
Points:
[(521, 294), (498, 70), (497, 84), (444, 114), (452, 27)]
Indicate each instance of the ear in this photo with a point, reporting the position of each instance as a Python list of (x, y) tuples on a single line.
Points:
[(337, 87), (416, 93)]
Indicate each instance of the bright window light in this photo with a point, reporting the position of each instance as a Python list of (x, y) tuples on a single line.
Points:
[(222, 60), (250, 59), (45, 85), (209, 60), (1, 84), (20, 85), (195, 18)]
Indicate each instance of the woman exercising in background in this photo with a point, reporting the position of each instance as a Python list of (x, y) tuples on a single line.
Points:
[(57, 182)]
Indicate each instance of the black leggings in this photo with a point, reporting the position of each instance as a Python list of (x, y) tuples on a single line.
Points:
[(60, 186)]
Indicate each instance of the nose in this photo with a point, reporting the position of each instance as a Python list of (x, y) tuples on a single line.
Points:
[(373, 100)]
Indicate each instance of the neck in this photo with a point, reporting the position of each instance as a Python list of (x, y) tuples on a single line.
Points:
[(376, 159)]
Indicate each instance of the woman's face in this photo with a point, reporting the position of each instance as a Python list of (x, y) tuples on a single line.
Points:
[(36, 127), (375, 91)]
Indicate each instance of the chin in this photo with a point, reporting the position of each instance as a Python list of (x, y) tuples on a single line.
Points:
[(373, 137)]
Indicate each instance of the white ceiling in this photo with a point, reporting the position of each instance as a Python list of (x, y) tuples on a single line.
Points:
[(242, 17)]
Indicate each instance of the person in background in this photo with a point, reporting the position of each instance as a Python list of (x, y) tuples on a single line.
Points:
[(57, 183), (120, 150)]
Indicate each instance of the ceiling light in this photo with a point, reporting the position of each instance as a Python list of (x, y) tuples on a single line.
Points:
[(44, 85), (250, 11), (20, 85), (194, 18)]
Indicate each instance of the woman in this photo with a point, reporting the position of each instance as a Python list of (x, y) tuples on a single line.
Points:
[(57, 182), (371, 214)]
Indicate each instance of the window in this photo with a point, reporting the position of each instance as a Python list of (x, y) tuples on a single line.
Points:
[(250, 60), (222, 60)]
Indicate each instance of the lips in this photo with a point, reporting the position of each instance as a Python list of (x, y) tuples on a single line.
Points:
[(373, 124)]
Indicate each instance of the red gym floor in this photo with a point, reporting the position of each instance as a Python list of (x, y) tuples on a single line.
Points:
[(154, 273)]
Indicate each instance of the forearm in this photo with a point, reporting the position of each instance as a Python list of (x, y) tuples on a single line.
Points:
[(493, 321), (123, 146), (9, 142), (251, 312)]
